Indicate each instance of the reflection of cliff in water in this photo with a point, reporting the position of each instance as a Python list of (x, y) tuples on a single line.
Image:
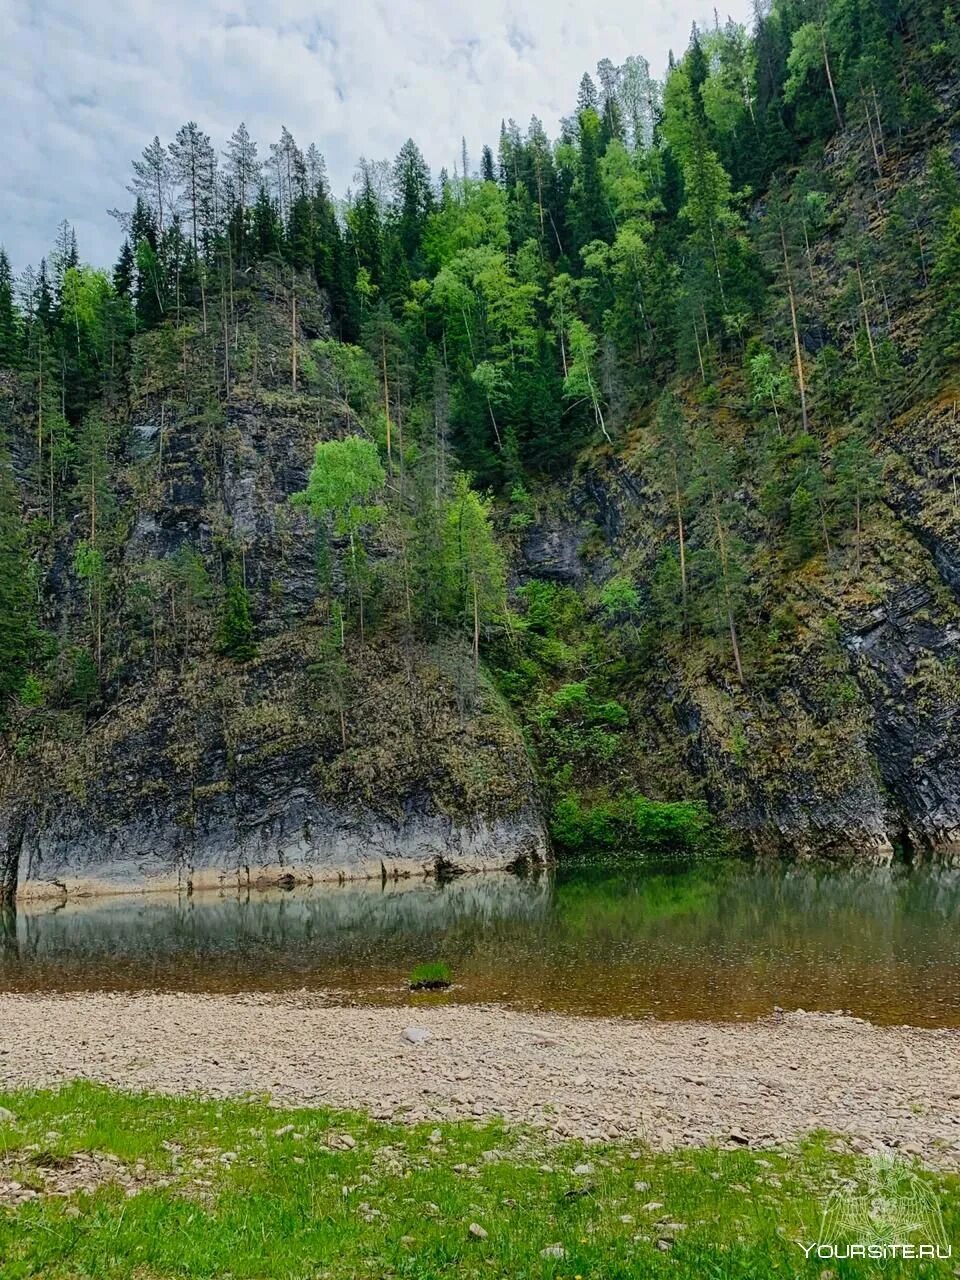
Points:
[(8, 934), (710, 939), (272, 938)]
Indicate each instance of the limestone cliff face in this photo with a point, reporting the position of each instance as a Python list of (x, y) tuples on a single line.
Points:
[(845, 739), (295, 766), (392, 756), (226, 778)]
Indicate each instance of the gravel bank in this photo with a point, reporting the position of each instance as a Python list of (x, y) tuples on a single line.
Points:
[(668, 1083)]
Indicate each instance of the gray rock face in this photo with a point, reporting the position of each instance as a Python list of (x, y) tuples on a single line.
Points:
[(295, 840), (553, 553), (203, 772), (908, 657), (237, 776), (852, 749)]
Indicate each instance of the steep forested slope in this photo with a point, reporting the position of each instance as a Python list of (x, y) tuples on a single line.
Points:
[(616, 478)]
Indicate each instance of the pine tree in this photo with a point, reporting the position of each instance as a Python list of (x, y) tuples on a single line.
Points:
[(152, 180), (193, 165), (235, 635), (9, 319), (243, 168), (414, 200), (16, 626), (672, 459), (124, 271), (947, 279), (856, 479)]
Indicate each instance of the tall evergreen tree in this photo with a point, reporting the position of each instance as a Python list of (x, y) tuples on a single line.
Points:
[(9, 319)]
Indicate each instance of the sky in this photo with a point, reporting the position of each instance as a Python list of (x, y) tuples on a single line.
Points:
[(85, 86)]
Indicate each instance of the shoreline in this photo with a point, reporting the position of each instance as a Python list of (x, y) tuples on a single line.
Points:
[(668, 1084), (214, 881)]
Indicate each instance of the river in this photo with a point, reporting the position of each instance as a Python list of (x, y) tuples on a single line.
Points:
[(707, 940)]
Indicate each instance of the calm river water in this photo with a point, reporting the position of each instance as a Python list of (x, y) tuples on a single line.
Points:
[(720, 940)]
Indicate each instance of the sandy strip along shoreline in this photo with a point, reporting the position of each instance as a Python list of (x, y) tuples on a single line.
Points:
[(668, 1083)]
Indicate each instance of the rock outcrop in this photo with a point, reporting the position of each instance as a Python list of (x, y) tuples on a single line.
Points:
[(389, 758)]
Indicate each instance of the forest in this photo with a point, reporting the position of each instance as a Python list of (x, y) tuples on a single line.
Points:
[(723, 285)]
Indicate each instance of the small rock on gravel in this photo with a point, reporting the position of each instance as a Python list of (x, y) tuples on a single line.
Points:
[(415, 1035)]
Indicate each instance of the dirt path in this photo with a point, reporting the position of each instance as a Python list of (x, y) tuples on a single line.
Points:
[(669, 1083)]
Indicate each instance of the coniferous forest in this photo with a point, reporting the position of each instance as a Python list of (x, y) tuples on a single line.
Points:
[(610, 475)]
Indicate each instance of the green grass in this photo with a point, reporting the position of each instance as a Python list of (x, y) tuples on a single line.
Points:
[(256, 1193), (435, 974)]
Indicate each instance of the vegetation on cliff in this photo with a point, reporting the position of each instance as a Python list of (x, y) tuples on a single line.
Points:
[(687, 336)]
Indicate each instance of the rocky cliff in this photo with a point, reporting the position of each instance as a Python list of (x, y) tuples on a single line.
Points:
[(736, 594), (844, 736), (293, 766)]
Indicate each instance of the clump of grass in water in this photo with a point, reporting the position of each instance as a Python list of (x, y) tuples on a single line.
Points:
[(430, 977)]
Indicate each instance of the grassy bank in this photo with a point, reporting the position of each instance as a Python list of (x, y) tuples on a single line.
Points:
[(148, 1188)]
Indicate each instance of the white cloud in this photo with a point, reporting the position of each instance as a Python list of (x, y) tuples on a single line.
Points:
[(85, 87)]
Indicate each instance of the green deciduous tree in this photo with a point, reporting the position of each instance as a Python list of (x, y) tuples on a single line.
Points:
[(345, 476), (473, 564)]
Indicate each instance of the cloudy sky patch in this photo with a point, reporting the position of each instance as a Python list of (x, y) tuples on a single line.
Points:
[(86, 86)]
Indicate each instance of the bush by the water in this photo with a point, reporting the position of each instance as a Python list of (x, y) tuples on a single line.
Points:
[(630, 822)]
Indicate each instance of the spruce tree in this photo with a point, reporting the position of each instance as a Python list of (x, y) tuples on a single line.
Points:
[(9, 320), (15, 611), (235, 633)]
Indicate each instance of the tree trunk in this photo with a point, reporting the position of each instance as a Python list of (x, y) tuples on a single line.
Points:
[(876, 112), (293, 337), (826, 67), (866, 319), (386, 398), (597, 411), (356, 578), (796, 332), (923, 256), (40, 421), (226, 332), (696, 338), (728, 602), (682, 541), (496, 429), (823, 525), (873, 139), (806, 245), (476, 628), (858, 535)]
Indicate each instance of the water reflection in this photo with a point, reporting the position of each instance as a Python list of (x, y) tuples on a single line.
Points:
[(715, 940)]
